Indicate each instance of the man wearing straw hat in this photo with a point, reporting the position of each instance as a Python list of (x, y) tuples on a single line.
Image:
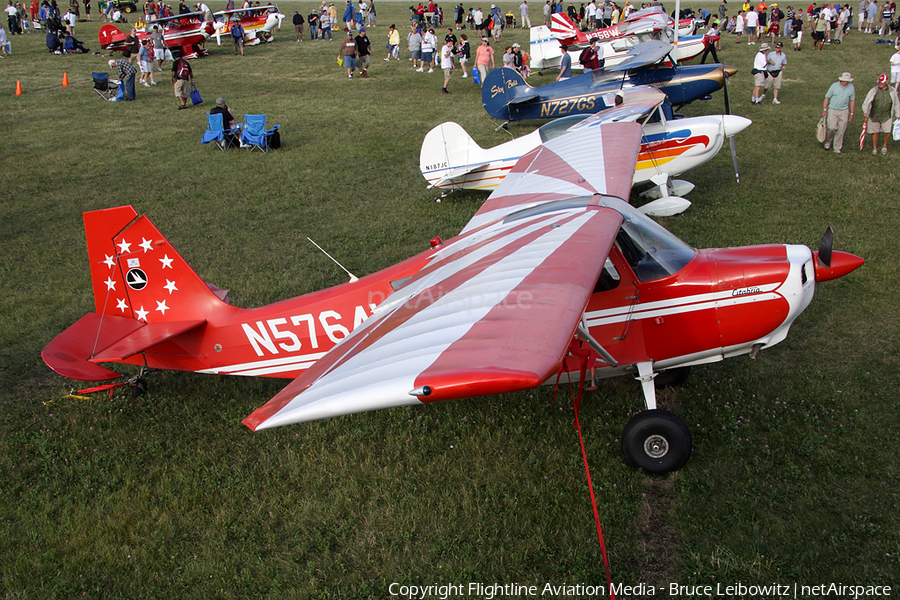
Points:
[(840, 103)]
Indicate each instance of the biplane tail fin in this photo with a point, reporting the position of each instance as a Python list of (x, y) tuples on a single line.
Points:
[(144, 294), (448, 155), (545, 49), (503, 88)]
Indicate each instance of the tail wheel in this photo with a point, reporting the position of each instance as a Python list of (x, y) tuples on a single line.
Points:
[(139, 387), (656, 441)]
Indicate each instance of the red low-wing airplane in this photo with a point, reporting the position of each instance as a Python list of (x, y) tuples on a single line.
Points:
[(186, 33), (554, 276)]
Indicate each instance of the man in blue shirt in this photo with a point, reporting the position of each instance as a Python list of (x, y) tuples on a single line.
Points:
[(840, 103)]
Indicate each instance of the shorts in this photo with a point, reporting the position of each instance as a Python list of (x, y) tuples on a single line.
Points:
[(146, 67), (415, 54), (182, 88), (875, 127), (349, 62), (448, 72), (895, 76), (364, 62), (759, 79), (775, 80), (238, 42), (159, 54), (751, 31), (426, 56)]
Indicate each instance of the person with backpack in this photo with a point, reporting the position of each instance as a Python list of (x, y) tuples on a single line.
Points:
[(182, 79), (590, 56), (237, 36)]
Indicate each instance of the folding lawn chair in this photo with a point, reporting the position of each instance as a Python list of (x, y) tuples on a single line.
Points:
[(102, 87), (255, 136), (216, 132)]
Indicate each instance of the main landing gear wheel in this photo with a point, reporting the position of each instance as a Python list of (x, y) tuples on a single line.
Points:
[(656, 441)]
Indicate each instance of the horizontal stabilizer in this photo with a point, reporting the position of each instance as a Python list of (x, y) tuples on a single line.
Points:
[(457, 176), (526, 96), (146, 337), (69, 352)]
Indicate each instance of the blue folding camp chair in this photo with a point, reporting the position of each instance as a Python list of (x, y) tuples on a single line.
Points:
[(255, 136), (102, 88), (216, 132)]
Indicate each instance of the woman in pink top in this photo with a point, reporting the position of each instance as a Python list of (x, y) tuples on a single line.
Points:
[(484, 56)]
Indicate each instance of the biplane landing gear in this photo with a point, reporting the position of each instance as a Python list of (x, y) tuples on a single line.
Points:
[(656, 441)]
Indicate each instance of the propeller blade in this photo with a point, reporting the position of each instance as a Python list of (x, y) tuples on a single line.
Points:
[(727, 97), (825, 247)]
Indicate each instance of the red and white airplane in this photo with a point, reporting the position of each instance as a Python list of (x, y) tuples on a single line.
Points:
[(646, 20), (554, 276), (259, 25), (450, 159), (185, 33)]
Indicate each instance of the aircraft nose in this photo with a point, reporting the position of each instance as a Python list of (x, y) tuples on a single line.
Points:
[(734, 124), (729, 70), (841, 264)]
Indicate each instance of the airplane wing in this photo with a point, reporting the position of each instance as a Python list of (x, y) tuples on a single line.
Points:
[(593, 160), (642, 55), (493, 312), (182, 16), (639, 101)]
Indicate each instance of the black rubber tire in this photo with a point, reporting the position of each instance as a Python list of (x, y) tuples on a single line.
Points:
[(656, 441), (139, 388), (672, 377)]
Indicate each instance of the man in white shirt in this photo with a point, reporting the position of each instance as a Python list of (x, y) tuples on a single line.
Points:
[(759, 72), (752, 21), (447, 63)]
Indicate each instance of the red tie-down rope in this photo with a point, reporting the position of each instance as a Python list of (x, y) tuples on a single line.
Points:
[(583, 353)]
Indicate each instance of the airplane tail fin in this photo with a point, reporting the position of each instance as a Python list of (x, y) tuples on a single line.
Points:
[(501, 88), (562, 27), (144, 294), (448, 153), (545, 49)]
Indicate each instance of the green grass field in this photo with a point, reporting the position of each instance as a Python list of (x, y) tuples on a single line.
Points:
[(794, 473)]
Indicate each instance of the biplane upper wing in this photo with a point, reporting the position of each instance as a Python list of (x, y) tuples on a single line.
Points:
[(494, 311), (643, 55)]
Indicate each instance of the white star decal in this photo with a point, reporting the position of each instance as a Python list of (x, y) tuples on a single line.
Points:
[(161, 306), (110, 261), (141, 314), (124, 247), (166, 261), (121, 305), (110, 283), (147, 245), (170, 285)]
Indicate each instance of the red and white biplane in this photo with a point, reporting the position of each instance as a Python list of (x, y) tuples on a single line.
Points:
[(184, 33), (259, 23), (554, 277)]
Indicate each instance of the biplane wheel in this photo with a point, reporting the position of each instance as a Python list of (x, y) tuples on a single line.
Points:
[(672, 377), (656, 441)]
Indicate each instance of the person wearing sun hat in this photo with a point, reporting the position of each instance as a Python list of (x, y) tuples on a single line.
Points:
[(840, 103), (760, 74), (881, 107)]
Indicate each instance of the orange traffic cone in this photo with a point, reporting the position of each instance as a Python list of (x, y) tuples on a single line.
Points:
[(65, 80), (18, 88)]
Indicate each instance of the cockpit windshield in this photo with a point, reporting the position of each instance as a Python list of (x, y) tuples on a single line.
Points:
[(651, 251)]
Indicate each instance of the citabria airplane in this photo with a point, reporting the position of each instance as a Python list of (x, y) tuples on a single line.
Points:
[(259, 23), (182, 33), (554, 277), (450, 159), (505, 94)]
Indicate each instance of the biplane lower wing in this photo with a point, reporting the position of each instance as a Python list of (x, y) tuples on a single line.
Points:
[(496, 308)]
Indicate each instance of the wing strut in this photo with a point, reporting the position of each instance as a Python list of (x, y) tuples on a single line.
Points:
[(587, 337)]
